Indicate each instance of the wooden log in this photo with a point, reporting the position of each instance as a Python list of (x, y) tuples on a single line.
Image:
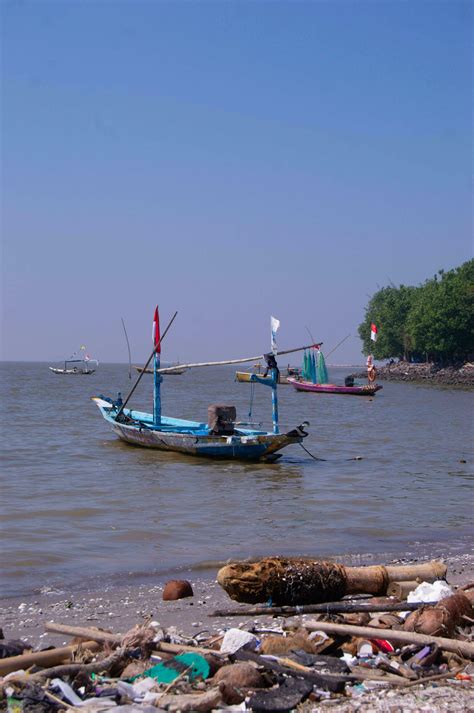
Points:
[(72, 669), (44, 658), (401, 589), (463, 648), (347, 607), (287, 581)]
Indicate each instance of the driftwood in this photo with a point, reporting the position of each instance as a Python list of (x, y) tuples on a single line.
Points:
[(463, 648), (73, 669), (300, 581), (116, 639), (83, 632), (44, 658), (348, 607)]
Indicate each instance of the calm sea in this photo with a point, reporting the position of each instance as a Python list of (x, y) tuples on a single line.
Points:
[(76, 503)]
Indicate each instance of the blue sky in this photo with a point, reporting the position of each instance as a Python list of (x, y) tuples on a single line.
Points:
[(229, 160)]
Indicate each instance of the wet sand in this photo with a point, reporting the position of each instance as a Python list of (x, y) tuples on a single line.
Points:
[(119, 608)]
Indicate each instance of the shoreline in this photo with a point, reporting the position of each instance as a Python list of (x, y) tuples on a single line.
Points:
[(120, 607), (459, 542), (426, 373)]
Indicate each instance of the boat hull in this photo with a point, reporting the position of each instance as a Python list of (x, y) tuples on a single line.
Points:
[(192, 438), (71, 372), (366, 390), (244, 376)]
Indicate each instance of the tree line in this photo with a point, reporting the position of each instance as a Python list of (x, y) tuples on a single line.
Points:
[(431, 322)]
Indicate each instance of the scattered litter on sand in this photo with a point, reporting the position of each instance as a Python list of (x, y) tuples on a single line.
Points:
[(361, 650)]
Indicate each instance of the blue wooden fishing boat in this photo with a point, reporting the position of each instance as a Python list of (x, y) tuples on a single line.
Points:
[(221, 437)]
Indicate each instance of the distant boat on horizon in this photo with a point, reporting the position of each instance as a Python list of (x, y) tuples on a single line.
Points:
[(172, 370), (77, 364)]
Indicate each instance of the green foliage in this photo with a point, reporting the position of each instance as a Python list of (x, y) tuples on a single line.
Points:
[(434, 320), (388, 309)]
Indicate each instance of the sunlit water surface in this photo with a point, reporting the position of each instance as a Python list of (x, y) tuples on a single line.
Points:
[(76, 503)]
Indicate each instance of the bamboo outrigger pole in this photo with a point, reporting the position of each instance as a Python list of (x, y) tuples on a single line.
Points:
[(234, 361)]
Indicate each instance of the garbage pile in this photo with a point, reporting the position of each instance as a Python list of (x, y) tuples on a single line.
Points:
[(312, 651)]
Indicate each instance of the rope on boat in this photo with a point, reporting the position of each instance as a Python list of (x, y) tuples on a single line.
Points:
[(325, 459), (310, 454), (252, 393)]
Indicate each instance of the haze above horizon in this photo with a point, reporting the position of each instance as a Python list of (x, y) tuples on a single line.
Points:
[(230, 161)]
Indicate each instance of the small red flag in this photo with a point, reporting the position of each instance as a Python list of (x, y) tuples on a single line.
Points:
[(156, 331), (373, 332)]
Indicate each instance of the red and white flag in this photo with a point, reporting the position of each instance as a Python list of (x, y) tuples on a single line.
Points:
[(373, 332), (156, 331)]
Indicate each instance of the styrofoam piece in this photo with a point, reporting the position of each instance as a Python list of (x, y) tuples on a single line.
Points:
[(236, 639)]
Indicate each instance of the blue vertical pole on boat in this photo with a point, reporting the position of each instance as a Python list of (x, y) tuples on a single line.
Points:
[(274, 374), (157, 378), (274, 327)]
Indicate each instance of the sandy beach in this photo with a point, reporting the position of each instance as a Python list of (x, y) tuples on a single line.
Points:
[(119, 608)]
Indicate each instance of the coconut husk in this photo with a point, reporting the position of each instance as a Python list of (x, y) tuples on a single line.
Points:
[(283, 581), (442, 619), (140, 637)]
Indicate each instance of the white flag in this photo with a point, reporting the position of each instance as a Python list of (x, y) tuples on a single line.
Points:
[(274, 325)]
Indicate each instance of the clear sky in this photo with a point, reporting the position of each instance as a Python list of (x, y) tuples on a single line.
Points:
[(229, 160)]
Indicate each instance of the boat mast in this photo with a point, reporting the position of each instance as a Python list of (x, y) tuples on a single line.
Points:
[(274, 373), (157, 378)]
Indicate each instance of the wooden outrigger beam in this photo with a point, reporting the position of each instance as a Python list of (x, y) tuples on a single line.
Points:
[(235, 361)]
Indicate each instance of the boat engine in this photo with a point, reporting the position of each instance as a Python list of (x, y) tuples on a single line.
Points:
[(349, 380), (221, 419)]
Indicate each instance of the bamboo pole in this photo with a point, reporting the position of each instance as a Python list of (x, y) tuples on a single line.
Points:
[(463, 648), (72, 669), (129, 352), (44, 658), (103, 637), (83, 632), (402, 589), (234, 361), (344, 607)]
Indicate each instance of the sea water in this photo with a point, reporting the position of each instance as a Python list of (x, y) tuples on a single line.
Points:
[(393, 475)]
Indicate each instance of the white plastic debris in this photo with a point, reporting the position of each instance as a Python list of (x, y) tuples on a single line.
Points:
[(349, 659), (90, 704), (236, 639), (142, 687), (136, 691), (68, 693), (430, 592)]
